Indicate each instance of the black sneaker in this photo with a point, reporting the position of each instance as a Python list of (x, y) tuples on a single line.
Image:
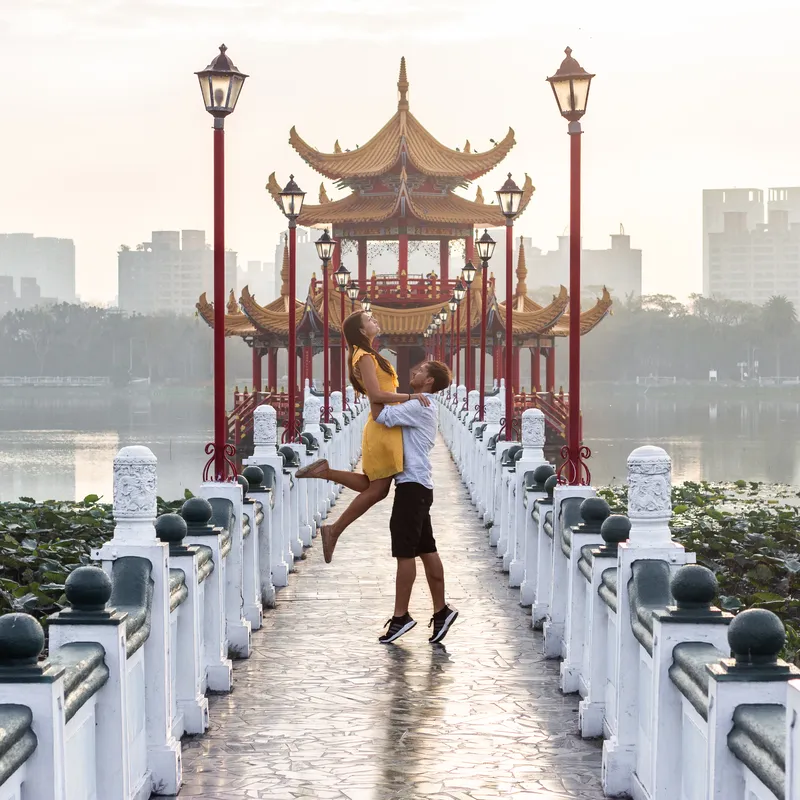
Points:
[(441, 621), (397, 627)]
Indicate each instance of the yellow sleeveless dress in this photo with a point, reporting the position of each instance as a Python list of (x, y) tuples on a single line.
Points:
[(382, 447)]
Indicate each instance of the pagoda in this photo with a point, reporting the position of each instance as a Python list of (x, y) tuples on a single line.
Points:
[(402, 188)]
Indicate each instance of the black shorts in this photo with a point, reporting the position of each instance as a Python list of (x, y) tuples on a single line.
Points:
[(410, 525)]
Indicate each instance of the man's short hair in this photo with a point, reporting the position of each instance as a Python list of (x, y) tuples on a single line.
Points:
[(441, 375)]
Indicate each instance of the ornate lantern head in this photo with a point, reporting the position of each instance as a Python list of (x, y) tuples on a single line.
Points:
[(571, 88), (221, 83)]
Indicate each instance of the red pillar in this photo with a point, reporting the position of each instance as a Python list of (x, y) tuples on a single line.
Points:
[(515, 381), (536, 369), (308, 352), (362, 264), (272, 369), (550, 354), (256, 368), (402, 267), (444, 267), (497, 361), (469, 250)]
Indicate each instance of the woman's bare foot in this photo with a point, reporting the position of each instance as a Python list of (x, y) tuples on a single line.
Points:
[(316, 469), (329, 539)]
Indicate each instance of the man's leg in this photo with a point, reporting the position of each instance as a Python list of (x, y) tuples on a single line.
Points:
[(434, 573), (404, 583)]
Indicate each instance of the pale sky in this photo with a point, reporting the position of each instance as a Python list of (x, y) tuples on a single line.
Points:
[(105, 137)]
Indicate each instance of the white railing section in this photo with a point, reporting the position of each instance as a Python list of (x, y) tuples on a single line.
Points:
[(631, 618), (148, 635)]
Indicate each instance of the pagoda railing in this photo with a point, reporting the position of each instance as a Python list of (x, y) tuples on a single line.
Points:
[(554, 406), (420, 289), (240, 419)]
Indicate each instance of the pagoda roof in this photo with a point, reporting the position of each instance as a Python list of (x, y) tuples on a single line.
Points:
[(403, 132), (442, 208), (589, 319), (236, 323)]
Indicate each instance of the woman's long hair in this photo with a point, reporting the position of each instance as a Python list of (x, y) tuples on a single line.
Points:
[(353, 333)]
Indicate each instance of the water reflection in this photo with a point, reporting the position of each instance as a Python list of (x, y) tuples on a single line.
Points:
[(62, 446)]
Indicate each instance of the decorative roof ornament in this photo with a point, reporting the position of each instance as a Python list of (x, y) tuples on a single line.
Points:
[(479, 196), (233, 305), (522, 271), (285, 268), (402, 87), (323, 195), (467, 147), (337, 148)]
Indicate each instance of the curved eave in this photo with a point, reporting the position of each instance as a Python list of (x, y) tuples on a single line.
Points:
[(235, 324), (431, 157), (265, 319), (589, 319), (537, 322), (382, 151), (374, 158)]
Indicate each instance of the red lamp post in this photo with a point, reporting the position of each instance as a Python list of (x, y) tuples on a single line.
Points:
[(341, 277), (468, 275), (570, 86), (485, 247), (509, 197), (292, 201), (453, 303), (442, 322), (221, 83), (325, 247), (458, 292)]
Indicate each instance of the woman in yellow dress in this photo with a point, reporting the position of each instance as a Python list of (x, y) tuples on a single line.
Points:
[(382, 448)]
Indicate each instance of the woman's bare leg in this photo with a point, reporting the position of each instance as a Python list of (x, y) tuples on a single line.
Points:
[(356, 481), (376, 492)]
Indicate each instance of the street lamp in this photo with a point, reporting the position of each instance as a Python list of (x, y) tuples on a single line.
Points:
[(509, 197), (485, 247), (292, 198), (352, 293), (458, 292), (325, 246), (570, 86), (220, 83), (442, 321), (366, 304), (342, 276), (453, 304), (468, 275)]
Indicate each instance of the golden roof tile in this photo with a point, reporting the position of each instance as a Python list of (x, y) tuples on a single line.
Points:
[(537, 322), (589, 319), (382, 151), (268, 319), (236, 324)]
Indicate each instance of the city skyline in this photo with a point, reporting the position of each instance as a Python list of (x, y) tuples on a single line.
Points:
[(140, 150)]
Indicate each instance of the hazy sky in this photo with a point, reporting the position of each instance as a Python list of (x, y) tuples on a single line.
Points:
[(105, 137)]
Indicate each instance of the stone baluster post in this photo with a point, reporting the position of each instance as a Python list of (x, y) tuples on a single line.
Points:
[(292, 543), (200, 533), (135, 535), (24, 680), (252, 604), (649, 510), (534, 491), (544, 558), (274, 570), (265, 496), (317, 490), (492, 415)]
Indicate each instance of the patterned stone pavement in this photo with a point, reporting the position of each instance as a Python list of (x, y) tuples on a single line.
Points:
[(321, 710)]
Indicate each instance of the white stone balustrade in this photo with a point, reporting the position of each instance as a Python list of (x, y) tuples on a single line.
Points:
[(629, 613)]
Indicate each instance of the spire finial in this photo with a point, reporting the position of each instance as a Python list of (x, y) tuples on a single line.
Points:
[(233, 306), (522, 271), (402, 87)]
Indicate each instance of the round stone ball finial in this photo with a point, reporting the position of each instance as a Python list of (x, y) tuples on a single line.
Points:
[(595, 509), (254, 476), (756, 637), (694, 586), (542, 473), (197, 511), (89, 588), (615, 529), (21, 640), (171, 528), (550, 485), (290, 457)]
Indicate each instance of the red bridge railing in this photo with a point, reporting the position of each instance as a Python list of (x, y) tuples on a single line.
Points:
[(554, 406)]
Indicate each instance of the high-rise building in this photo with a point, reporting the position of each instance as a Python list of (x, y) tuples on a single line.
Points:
[(47, 260), (259, 277), (619, 268), (169, 273), (745, 256)]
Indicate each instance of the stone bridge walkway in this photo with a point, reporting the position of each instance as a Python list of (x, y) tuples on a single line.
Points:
[(321, 710)]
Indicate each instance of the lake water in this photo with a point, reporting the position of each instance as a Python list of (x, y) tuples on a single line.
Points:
[(61, 446)]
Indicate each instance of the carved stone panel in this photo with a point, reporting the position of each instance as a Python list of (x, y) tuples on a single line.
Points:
[(265, 426), (135, 483), (533, 433)]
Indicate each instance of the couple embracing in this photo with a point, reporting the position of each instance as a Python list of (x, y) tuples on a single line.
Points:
[(398, 439)]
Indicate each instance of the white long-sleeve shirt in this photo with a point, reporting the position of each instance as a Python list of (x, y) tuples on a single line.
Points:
[(419, 424)]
